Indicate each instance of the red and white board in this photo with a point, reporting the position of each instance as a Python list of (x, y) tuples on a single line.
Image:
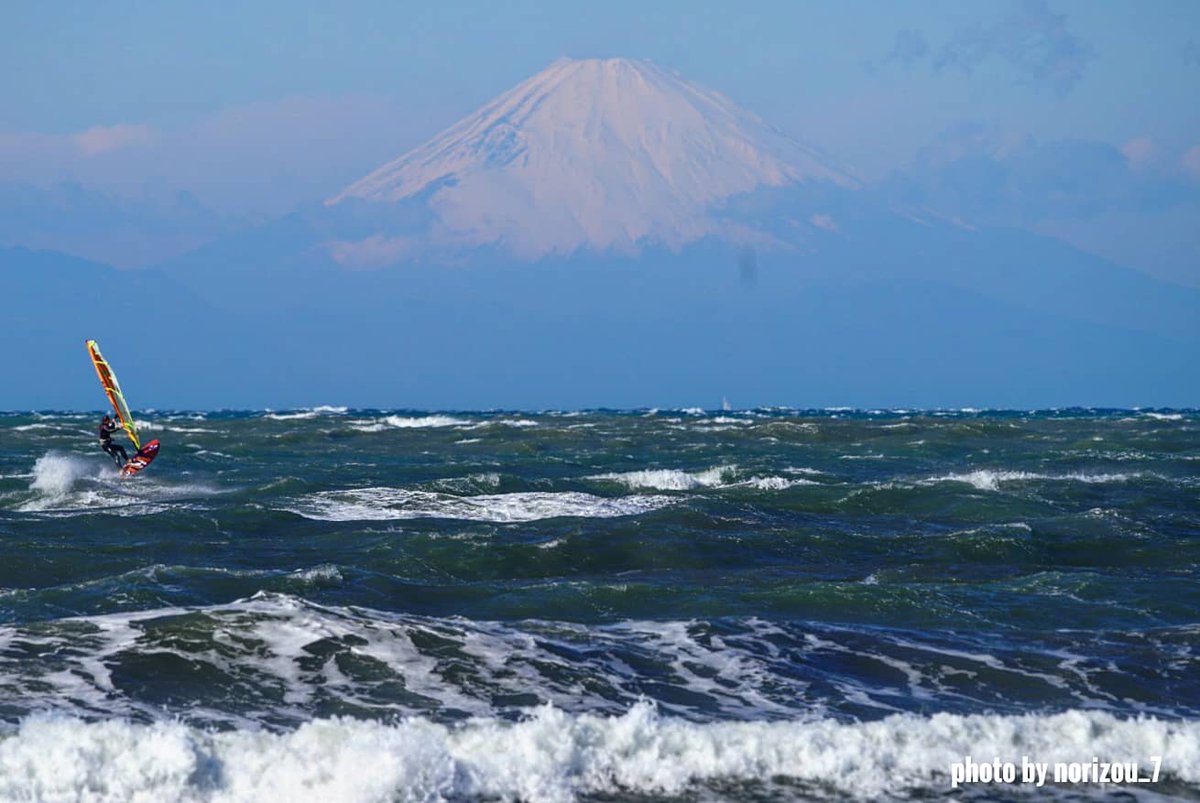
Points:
[(142, 459)]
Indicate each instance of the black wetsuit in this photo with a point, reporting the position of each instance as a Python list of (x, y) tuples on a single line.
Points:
[(116, 450)]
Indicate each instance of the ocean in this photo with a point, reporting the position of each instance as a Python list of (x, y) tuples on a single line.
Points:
[(774, 604)]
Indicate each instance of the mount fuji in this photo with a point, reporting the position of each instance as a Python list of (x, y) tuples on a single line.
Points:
[(602, 155), (607, 233)]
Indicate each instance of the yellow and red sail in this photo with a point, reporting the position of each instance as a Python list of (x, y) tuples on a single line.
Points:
[(112, 389)]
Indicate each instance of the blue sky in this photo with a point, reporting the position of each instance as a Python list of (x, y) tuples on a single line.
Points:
[(257, 108)]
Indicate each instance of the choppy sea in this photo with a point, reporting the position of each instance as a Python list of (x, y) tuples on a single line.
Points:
[(363, 605)]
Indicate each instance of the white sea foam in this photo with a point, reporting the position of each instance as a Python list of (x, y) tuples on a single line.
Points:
[(71, 485), (30, 427), (505, 422), (771, 483), (488, 480), (990, 480), (552, 756), (186, 430), (669, 479), (324, 574), (293, 651), (381, 504), (56, 474), (1164, 416), (311, 412), (407, 422), (267, 642), (774, 483), (63, 481), (706, 426)]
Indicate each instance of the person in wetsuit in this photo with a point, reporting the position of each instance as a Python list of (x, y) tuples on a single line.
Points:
[(115, 450)]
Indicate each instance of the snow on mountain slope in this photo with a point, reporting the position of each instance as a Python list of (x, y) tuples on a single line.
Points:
[(607, 155)]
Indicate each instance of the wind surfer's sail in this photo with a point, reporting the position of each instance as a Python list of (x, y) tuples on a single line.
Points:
[(113, 389)]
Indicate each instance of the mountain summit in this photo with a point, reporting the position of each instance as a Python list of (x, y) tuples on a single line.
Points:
[(569, 246), (607, 155)]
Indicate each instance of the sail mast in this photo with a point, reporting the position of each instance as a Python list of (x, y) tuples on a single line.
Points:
[(112, 388)]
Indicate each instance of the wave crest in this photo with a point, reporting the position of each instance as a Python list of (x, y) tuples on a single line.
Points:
[(381, 504), (556, 756)]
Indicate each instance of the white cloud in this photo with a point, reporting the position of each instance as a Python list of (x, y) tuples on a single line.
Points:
[(1191, 162), (824, 222), (102, 139), (257, 160), (1034, 42), (966, 172), (376, 251), (1139, 152)]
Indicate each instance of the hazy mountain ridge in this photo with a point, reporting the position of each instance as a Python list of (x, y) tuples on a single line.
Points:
[(500, 266), (130, 232)]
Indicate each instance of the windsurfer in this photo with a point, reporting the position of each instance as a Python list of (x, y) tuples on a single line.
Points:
[(115, 450)]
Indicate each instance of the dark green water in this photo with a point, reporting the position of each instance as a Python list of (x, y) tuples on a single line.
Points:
[(788, 591)]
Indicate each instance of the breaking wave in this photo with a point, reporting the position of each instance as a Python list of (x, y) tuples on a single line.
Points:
[(556, 756), (407, 422), (728, 476), (311, 412), (367, 504), (64, 484), (990, 480)]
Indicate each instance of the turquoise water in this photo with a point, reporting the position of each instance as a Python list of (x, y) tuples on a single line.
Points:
[(377, 605)]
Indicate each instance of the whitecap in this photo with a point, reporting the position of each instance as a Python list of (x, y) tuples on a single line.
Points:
[(186, 430), (718, 477), (990, 480), (554, 755), (311, 412), (505, 422), (324, 573), (774, 483), (379, 504), (407, 422), (669, 479)]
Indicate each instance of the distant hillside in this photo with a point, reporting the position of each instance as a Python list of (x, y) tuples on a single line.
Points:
[(608, 234), (171, 347)]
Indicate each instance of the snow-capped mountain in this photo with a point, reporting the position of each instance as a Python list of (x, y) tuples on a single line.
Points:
[(605, 155), (608, 225)]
